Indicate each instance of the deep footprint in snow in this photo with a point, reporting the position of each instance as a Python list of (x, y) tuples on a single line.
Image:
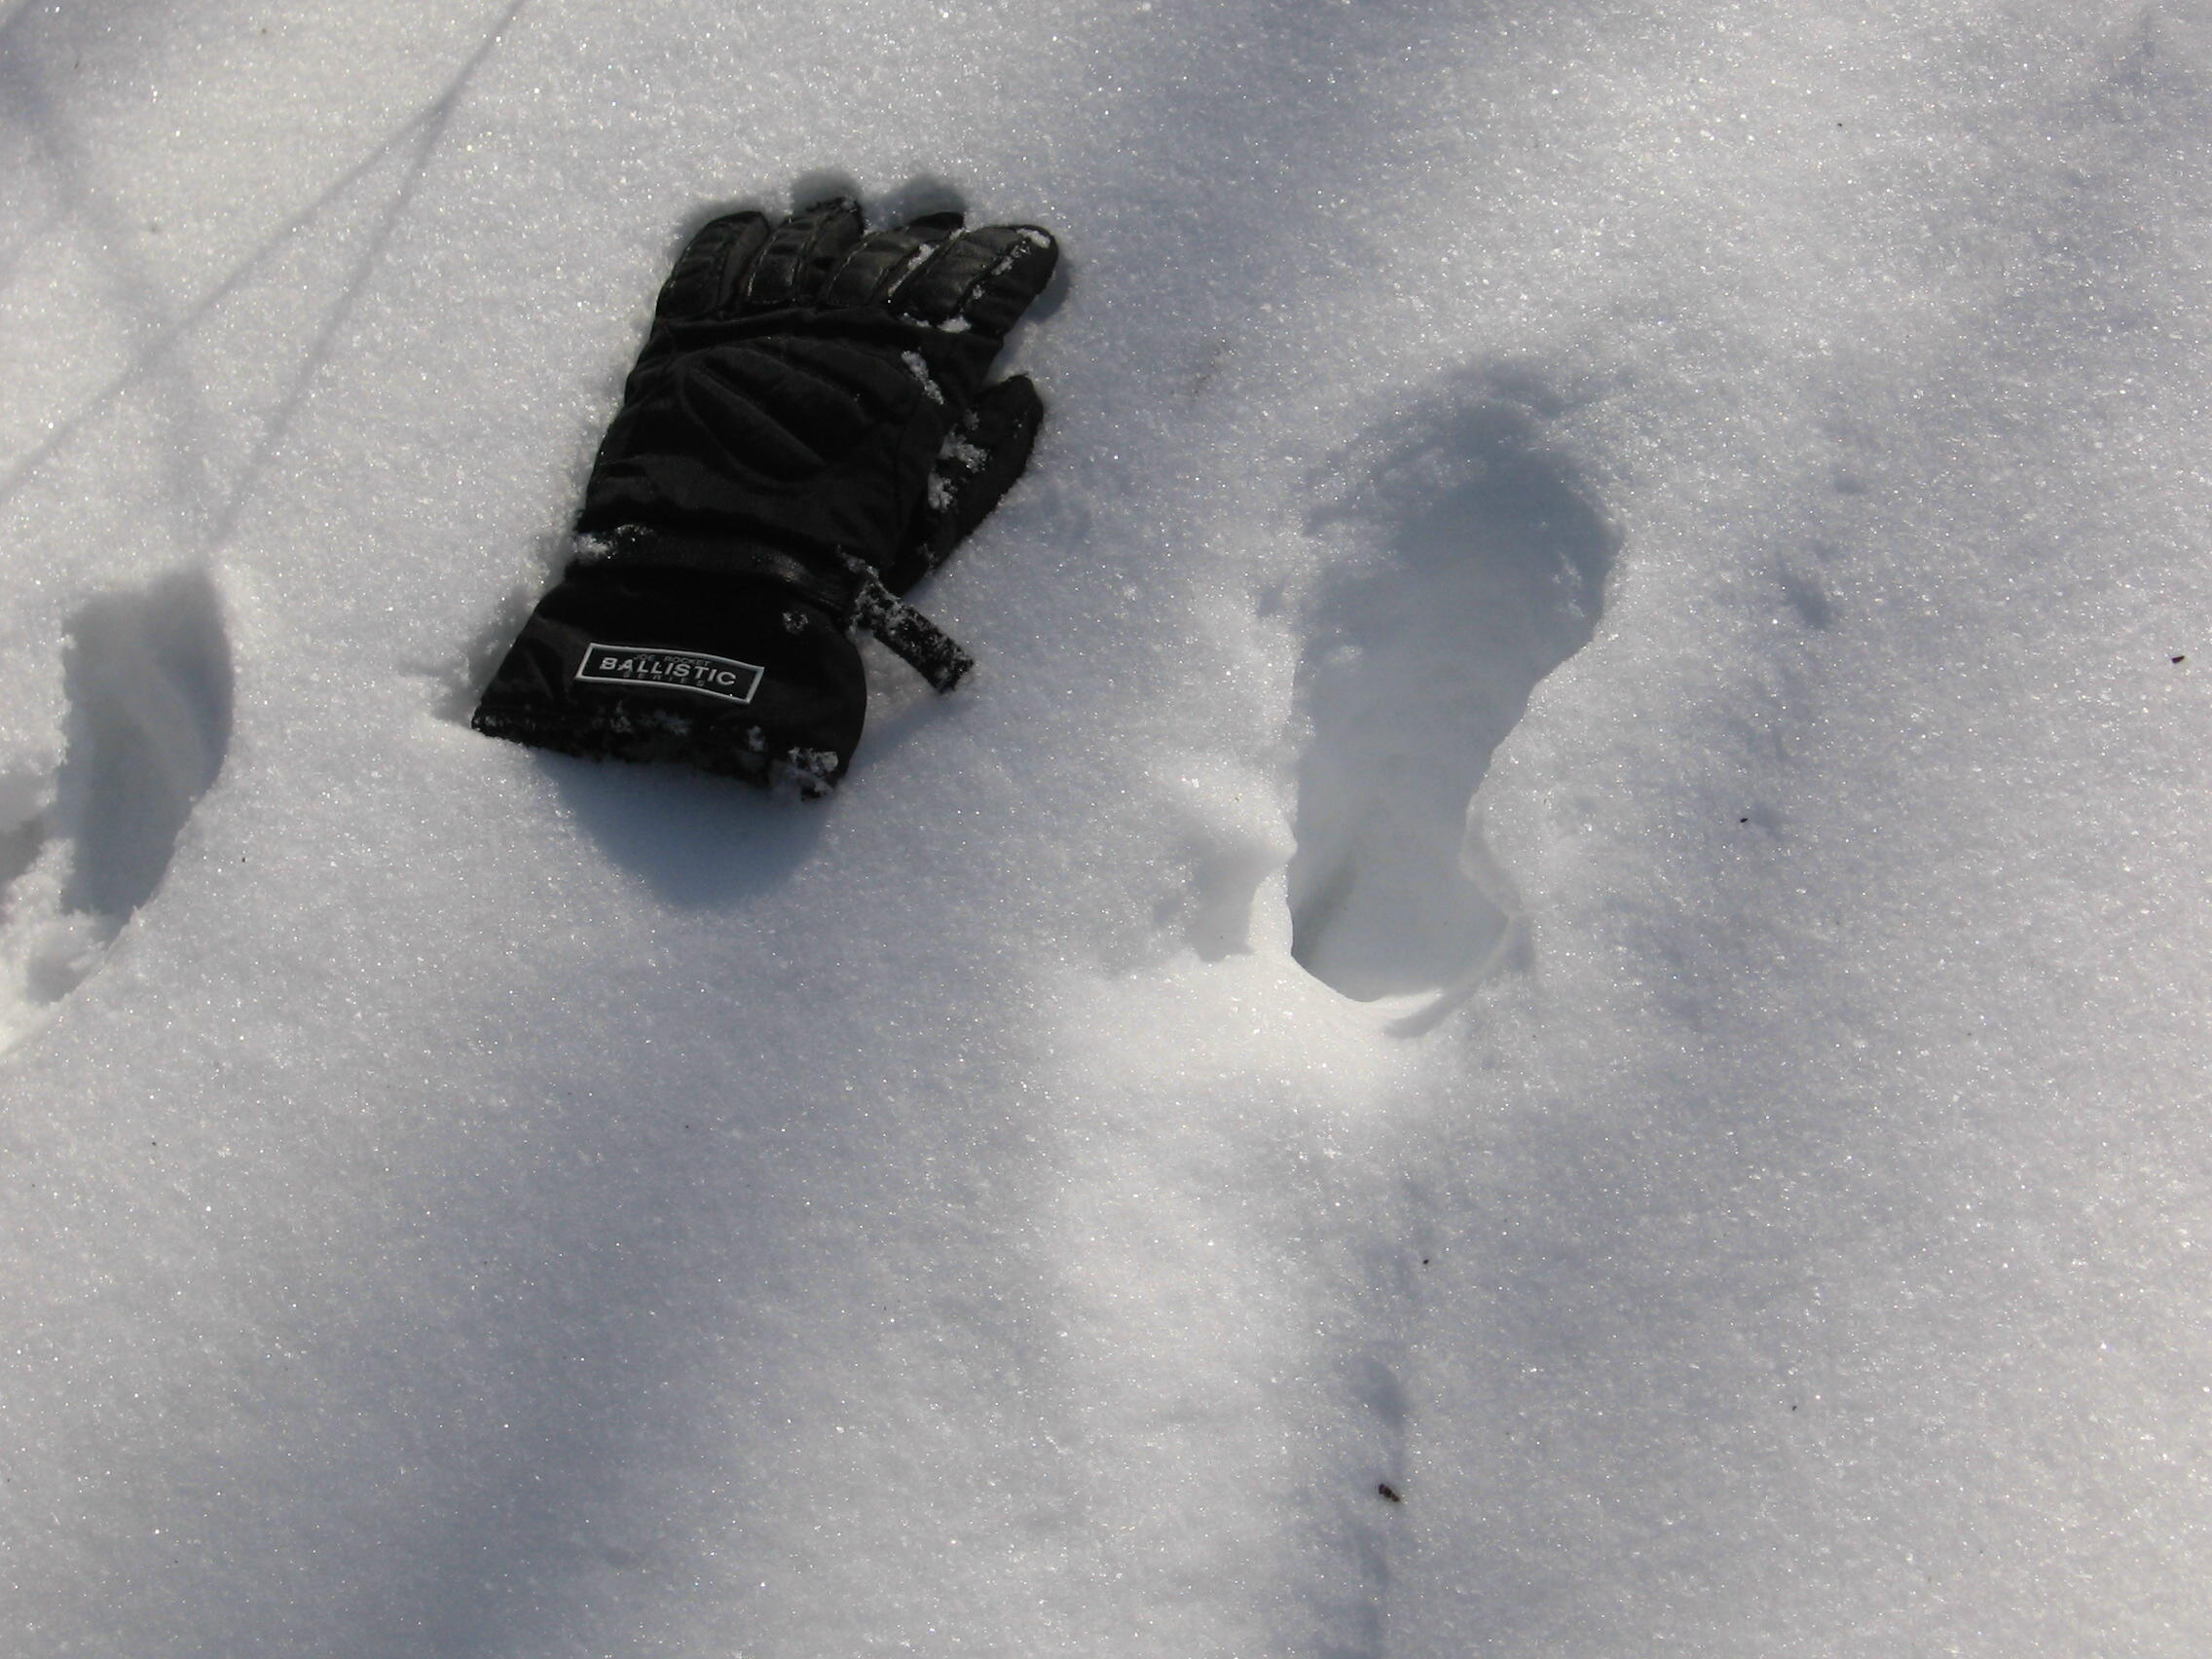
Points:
[(147, 673), (1477, 562)]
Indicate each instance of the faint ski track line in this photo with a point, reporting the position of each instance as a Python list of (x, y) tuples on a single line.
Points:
[(30, 238), (130, 292), (427, 125)]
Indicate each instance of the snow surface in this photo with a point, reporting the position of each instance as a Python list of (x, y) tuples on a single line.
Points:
[(1745, 1188)]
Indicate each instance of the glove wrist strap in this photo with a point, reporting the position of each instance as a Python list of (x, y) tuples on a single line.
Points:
[(910, 636)]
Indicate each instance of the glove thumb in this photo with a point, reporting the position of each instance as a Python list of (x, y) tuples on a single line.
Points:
[(981, 457)]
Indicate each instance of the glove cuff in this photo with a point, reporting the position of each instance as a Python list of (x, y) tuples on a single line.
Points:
[(733, 673), (854, 592), (734, 658)]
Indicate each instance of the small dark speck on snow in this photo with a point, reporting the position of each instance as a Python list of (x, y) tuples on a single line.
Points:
[(1388, 1491)]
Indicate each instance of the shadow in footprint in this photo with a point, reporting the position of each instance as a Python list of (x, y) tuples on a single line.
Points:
[(1478, 561), (147, 674)]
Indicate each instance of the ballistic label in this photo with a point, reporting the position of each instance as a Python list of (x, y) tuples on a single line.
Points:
[(725, 678)]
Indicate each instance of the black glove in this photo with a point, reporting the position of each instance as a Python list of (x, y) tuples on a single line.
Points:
[(806, 435)]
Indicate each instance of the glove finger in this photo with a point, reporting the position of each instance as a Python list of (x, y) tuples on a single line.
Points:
[(933, 294), (881, 259), (987, 279), (981, 461), (708, 272), (802, 253)]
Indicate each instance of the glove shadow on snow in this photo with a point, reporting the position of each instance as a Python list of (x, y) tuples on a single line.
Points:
[(806, 434)]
